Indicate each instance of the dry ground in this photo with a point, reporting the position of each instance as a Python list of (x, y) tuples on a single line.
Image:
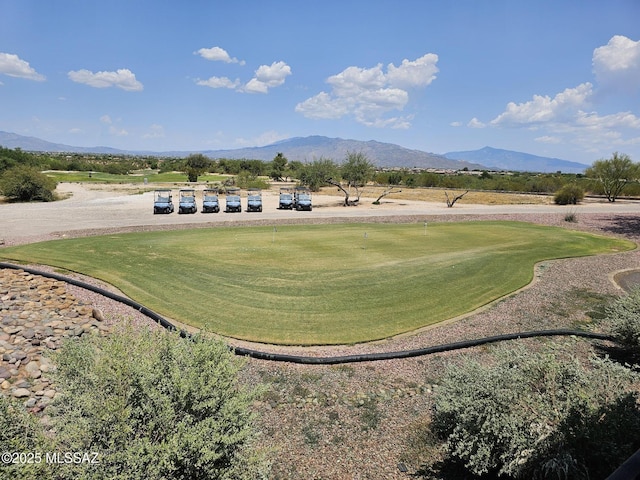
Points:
[(359, 421)]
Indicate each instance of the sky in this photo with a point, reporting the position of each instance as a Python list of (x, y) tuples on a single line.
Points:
[(556, 78)]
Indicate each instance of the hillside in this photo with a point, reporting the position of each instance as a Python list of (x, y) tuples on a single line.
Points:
[(306, 149), (498, 159)]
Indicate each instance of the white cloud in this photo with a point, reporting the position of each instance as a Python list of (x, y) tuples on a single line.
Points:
[(268, 76), (617, 64), (324, 106), (455, 124), (419, 73), (118, 132), (219, 82), (106, 119), (265, 138), (218, 54), (544, 108), (155, 131), (369, 93), (14, 66), (549, 139), (122, 78), (475, 123)]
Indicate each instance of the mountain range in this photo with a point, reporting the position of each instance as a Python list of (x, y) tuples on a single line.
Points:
[(314, 147)]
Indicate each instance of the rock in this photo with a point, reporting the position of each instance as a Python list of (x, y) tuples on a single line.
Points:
[(97, 314), (21, 393)]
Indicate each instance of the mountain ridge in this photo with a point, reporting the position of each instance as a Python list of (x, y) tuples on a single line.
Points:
[(499, 159), (383, 155)]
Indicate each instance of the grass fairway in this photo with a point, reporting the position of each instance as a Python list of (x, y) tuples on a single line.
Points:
[(318, 284)]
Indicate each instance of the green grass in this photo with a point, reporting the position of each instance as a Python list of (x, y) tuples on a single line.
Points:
[(318, 284), (152, 176)]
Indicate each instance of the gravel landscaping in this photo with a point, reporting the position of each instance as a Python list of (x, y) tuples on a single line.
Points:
[(360, 421)]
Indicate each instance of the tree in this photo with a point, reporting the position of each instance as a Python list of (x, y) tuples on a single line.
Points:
[(613, 174), (195, 165), (278, 166), (154, 405), (25, 183), (356, 171), (318, 173)]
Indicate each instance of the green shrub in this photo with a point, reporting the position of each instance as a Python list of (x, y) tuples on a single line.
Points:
[(624, 317), (20, 433), (153, 406), (24, 183), (537, 416), (569, 194)]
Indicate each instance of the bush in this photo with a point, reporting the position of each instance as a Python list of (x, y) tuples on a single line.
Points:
[(20, 432), (624, 318), (153, 406), (537, 416), (569, 194), (24, 183)]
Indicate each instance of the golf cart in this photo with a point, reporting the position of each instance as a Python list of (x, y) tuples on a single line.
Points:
[(286, 199), (210, 203), (254, 200), (162, 201), (302, 199), (233, 200), (187, 201)]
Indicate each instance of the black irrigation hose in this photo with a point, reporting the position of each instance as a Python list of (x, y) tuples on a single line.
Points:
[(277, 357)]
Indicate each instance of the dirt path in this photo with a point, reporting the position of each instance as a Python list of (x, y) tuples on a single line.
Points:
[(99, 206)]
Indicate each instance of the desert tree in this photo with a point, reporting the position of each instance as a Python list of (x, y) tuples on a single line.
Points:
[(356, 171), (195, 165), (278, 167), (318, 173), (613, 174)]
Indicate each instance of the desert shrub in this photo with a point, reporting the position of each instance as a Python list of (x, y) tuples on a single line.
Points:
[(623, 316), (21, 433), (246, 179), (24, 183), (569, 194), (536, 416), (154, 405)]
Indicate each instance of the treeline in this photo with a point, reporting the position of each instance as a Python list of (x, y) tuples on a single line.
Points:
[(503, 182), (117, 165), (280, 169)]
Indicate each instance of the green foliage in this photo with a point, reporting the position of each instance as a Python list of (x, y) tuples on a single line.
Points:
[(317, 173), (278, 167), (624, 318), (569, 194), (536, 415), (357, 170), (20, 433), (612, 175), (246, 179), (24, 183), (195, 165), (154, 405)]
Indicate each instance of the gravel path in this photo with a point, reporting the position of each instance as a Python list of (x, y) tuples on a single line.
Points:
[(359, 421)]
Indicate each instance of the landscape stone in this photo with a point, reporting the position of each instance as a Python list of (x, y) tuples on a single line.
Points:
[(35, 314)]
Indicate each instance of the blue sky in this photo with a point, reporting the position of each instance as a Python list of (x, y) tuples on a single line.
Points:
[(556, 78)]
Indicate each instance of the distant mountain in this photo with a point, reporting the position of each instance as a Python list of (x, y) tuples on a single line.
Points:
[(313, 147), (309, 148), (33, 144), (508, 160), (298, 148)]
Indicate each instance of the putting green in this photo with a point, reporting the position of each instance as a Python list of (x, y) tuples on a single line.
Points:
[(318, 284)]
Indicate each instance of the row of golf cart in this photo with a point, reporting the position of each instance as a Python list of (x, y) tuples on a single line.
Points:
[(290, 198)]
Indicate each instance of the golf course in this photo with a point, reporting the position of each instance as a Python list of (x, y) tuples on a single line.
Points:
[(318, 284)]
